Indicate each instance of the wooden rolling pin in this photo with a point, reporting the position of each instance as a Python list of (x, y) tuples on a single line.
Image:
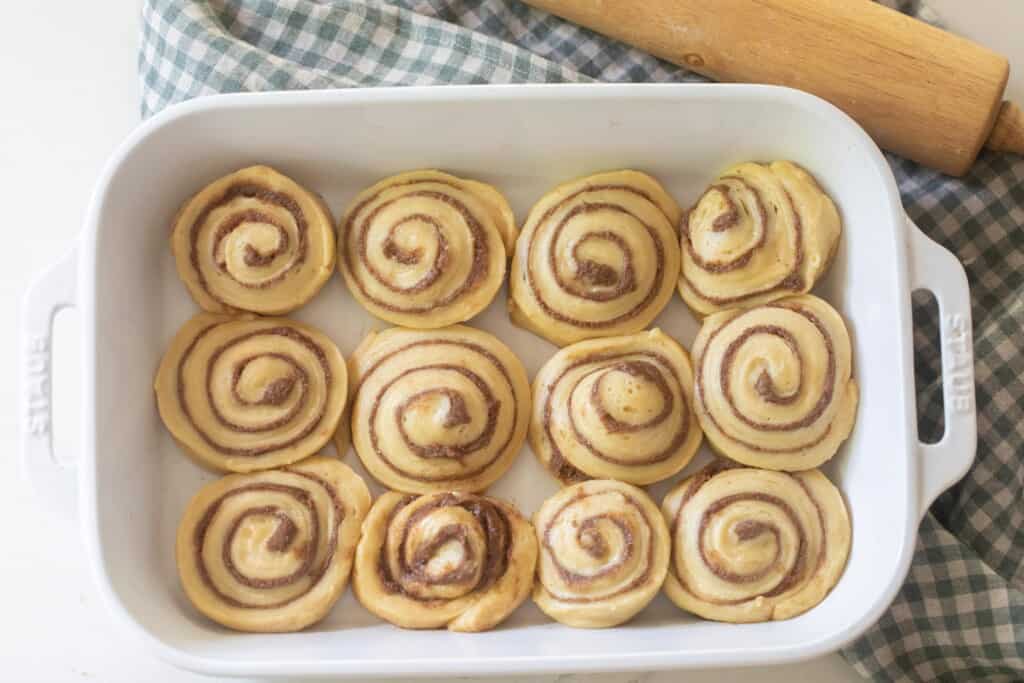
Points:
[(919, 91)]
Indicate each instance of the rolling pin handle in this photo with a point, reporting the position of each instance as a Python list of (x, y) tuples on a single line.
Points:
[(1008, 132)]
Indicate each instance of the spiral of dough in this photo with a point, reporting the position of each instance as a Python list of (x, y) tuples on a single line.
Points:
[(604, 553), (598, 257), (758, 233), (245, 393), (754, 545), (425, 249), (438, 410), (271, 551), (616, 408), (774, 384), (253, 240), (454, 560)]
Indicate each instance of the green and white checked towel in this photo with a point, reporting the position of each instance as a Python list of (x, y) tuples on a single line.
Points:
[(960, 616)]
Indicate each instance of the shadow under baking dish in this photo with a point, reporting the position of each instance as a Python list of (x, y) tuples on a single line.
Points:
[(524, 140)]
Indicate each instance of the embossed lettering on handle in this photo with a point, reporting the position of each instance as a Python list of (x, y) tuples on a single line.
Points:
[(961, 364), (37, 387)]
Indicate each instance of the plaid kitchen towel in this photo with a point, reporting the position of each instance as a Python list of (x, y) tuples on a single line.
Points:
[(960, 616)]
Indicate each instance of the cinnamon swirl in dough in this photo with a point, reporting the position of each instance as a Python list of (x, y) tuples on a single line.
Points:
[(245, 393), (604, 553), (454, 560), (758, 233), (754, 545), (598, 257), (773, 383), (254, 240), (425, 249), (271, 551), (438, 410), (616, 408)]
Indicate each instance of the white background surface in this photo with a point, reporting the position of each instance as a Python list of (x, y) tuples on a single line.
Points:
[(67, 69)]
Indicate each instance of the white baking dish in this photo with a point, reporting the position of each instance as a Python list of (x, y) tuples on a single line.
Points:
[(131, 482)]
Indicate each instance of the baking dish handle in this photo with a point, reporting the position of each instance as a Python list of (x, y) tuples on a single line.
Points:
[(937, 270), (51, 477)]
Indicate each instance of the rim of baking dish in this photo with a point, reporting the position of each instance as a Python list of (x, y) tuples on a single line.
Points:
[(525, 664)]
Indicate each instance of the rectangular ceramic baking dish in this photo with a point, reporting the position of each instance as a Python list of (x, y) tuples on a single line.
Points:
[(130, 483)]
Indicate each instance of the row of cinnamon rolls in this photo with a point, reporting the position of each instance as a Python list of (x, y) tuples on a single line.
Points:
[(596, 257), (450, 409), (272, 551)]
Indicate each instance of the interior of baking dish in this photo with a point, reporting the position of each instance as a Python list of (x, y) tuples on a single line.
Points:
[(523, 140)]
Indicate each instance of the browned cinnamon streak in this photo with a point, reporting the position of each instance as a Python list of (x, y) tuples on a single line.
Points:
[(592, 274), (598, 548), (792, 281), (728, 220), (389, 583), (279, 541), (457, 413), (275, 394), (254, 258), (612, 285), (411, 257), (764, 386), (593, 542), (747, 530), (648, 370), (402, 573), (282, 540), (479, 265)]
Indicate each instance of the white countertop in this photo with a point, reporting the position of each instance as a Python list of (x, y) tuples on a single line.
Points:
[(71, 95)]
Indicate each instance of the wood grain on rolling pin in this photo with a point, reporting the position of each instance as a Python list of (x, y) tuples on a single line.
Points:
[(919, 91)]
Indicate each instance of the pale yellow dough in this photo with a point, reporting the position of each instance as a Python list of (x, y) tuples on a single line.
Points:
[(758, 233), (425, 249), (289, 535), (445, 560), (246, 393), (437, 410), (604, 553), (774, 385), (616, 408), (254, 240), (597, 257), (752, 525)]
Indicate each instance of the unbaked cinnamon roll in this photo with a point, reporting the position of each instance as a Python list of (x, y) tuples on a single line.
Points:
[(758, 233), (774, 384), (425, 249), (604, 553), (271, 551), (246, 393), (754, 545), (616, 408), (454, 560), (438, 410), (598, 257), (254, 240)]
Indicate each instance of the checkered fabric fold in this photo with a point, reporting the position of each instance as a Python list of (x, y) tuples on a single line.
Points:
[(960, 616)]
